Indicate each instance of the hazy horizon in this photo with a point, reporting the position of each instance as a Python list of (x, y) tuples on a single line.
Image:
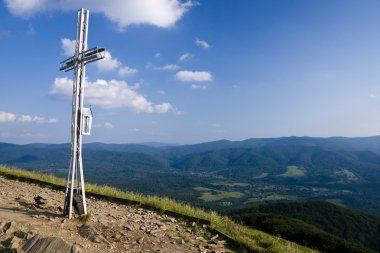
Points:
[(191, 143)]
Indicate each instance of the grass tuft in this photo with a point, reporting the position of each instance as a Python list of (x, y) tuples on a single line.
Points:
[(84, 218)]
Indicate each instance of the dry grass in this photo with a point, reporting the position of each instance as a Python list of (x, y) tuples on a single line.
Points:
[(256, 241)]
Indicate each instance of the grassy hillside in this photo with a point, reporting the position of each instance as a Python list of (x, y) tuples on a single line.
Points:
[(254, 240), (303, 222)]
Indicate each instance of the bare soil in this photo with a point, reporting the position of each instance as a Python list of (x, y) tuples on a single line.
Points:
[(112, 227)]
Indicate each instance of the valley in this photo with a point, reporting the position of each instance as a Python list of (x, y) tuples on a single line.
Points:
[(224, 175)]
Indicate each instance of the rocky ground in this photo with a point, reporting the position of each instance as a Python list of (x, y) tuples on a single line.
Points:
[(112, 227)]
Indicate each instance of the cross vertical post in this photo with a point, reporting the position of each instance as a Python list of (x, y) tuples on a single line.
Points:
[(81, 117)]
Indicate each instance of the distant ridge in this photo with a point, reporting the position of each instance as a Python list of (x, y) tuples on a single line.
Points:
[(158, 144), (370, 143)]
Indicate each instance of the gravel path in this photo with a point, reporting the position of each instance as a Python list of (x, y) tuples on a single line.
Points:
[(112, 227)]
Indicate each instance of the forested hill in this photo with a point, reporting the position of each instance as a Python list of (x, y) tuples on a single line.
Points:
[(311, 162), (222, 175), (312, 220)]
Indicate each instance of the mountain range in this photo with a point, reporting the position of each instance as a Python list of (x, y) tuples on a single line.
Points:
[(225, 175)]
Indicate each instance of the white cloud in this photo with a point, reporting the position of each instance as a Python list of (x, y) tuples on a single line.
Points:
[(68, 47), (193, 76), (25, 8), (161, 92), (127, 71), (108, 63), (201, 43), (185, 56), (25, 118), (7, 117), (168, 67), (157, 55), (62, 88), (110, 94), (36, 119), (11, 117), (161, 13)]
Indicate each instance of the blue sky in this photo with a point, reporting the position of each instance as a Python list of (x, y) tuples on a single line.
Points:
[(193, 71)]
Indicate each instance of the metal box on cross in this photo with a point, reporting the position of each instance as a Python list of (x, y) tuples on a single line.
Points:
[(87, 121)]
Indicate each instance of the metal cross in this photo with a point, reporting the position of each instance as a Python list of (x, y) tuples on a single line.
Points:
[(81, 117)]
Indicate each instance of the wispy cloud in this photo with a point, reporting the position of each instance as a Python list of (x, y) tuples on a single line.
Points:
[(185, 56), (202, 43), (108, 125), (199, 87), (110, 94), (127, 71), (160, 13), (168, 67), (11, 117), (36, 119), (193, 76)]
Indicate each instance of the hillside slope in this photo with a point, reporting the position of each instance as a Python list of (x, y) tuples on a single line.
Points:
[(128, 227), (343, 223)]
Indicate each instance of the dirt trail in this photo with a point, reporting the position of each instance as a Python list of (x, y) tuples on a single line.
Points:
[(112, 228)]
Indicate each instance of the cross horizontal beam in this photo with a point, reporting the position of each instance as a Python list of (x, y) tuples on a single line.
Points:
[(87, 56)]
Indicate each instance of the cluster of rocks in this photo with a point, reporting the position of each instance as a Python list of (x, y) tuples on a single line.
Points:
[(14, 240), (41, 201)]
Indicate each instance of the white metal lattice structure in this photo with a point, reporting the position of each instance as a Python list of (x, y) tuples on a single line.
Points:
[(81, 117)]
